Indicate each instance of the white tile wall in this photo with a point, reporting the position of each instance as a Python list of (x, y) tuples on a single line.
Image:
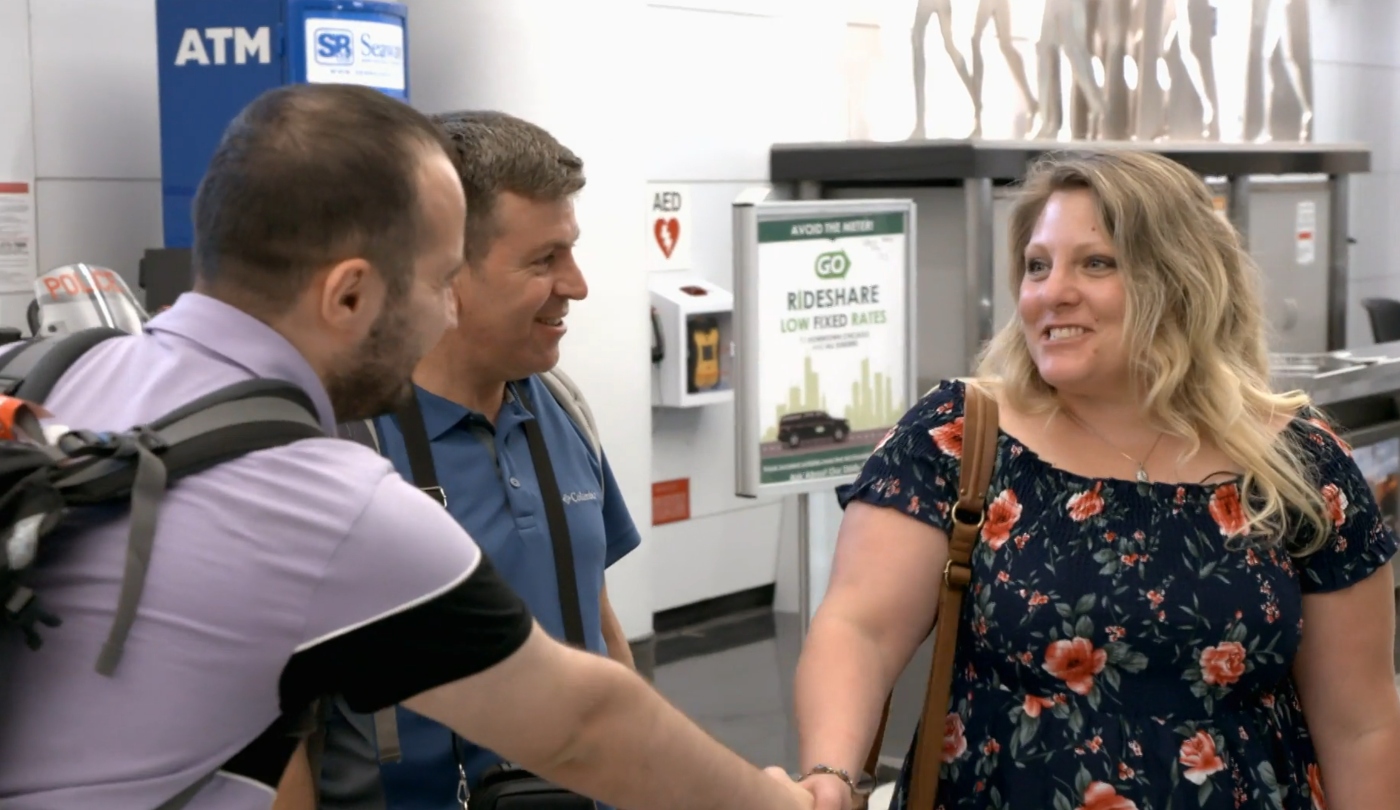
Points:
[(99, 221), (16, 120), (726, 86), (96, 111), (96, 132), (730, 79), (1356, 79)]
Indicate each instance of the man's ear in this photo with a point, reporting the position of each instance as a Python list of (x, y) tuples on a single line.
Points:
[(352, 295)]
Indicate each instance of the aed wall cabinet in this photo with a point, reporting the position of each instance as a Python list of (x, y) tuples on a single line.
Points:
[(216, 56), (694, 343)]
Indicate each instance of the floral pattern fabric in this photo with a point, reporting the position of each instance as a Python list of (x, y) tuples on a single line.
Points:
[(1121, 647)]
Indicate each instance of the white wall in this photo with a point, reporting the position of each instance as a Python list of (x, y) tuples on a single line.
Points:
[(1356, 81), (16, 152), (725, 80), (96, 133)]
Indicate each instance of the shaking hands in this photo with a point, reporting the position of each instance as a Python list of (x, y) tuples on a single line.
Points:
[(816, 792)]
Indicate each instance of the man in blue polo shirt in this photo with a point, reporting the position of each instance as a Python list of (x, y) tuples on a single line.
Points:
[(476, 391)]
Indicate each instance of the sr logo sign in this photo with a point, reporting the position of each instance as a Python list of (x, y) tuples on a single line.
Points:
[(334, 46), (833, 264)]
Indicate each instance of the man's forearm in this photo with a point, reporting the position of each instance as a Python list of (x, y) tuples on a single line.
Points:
[(635, 750)]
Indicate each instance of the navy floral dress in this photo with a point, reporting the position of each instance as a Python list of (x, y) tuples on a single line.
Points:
[(1115, 651)]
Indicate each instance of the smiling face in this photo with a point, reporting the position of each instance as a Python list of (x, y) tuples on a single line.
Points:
[(1072, 300), (513, 301)]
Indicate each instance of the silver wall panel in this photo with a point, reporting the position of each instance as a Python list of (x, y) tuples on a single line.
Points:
[(1294, 274)]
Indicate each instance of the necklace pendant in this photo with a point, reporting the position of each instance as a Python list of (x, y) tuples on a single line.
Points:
[(1141, 475)]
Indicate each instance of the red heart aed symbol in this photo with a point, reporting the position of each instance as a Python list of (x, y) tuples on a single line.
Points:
[(667, 233)]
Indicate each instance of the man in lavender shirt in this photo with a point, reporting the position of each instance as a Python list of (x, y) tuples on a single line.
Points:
[(327, 232)]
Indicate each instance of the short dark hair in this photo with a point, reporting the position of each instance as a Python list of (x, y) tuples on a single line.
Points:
[(307, 175), (495, 152)]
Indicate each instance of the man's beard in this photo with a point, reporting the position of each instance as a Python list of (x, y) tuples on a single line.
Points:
[(377, 380)]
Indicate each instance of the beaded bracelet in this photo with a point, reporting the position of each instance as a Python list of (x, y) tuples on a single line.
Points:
[(857, 788)]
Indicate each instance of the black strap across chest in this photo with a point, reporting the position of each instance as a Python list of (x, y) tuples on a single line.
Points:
[(424, 472)]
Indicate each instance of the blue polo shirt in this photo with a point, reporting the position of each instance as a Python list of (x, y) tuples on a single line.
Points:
[(493, 492)]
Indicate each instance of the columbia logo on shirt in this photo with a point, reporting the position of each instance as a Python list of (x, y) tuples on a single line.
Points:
[(571, 498)]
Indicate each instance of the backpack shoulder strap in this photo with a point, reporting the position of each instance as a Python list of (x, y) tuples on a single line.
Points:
[(31, 371), (225, 424), (231, 422), (570, 398), (361, 431), (386, 722)]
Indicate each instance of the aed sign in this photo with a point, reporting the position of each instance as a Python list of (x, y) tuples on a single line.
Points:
[(71, 284), (668, 227), (221, 45)]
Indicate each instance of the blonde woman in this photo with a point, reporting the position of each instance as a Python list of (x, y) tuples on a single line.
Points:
[(1180, 595)]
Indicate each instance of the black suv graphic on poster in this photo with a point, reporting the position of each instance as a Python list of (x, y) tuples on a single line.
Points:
[(796, 428)]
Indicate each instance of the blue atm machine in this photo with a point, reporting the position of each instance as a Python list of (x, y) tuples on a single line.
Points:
[(218, 55)]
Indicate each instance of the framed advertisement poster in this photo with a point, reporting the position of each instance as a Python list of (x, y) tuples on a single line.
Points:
[(824, 316)]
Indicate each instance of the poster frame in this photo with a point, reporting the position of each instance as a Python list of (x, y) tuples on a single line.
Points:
[(748, 362)]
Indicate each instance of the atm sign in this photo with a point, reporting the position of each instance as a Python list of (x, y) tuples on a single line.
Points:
[(71, 284)]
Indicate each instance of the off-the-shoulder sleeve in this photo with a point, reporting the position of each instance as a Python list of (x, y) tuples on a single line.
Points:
[(915, 467), (1360, 542)]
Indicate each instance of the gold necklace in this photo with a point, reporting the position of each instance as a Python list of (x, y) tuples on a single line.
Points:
[(1141, 465)]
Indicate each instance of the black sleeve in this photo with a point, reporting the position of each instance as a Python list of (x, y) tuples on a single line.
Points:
[(465, 630)]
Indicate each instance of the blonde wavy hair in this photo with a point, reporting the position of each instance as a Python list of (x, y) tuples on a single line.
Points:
[(1195, 328)]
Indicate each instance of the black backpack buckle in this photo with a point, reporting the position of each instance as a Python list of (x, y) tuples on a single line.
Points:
[(23, 612)]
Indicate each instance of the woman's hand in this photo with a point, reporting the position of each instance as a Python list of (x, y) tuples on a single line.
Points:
[(802, 798), (829, 791)]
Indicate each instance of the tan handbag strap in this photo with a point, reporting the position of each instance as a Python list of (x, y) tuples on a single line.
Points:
[(979, 448)]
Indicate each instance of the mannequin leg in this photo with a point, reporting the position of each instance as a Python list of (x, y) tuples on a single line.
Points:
[(1047, 49), (1113, 37), (1182, 33), (979, 27), (1073, 38), (1268, 27), (1201, 39), (1001, 15), (1148, 97), (1266, 89), (1295, 80), (922, 14), (945, 26)]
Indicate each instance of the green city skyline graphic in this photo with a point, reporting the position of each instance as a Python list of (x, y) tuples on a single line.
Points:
[(872, 401)]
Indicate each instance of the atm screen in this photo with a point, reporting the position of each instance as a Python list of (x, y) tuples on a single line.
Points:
[(364, 46)]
